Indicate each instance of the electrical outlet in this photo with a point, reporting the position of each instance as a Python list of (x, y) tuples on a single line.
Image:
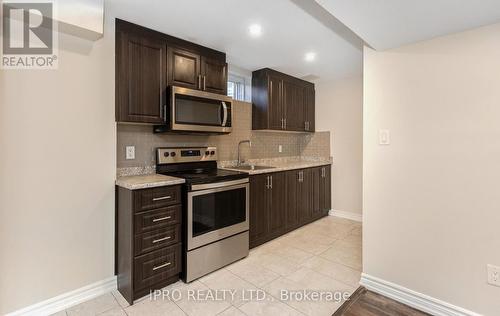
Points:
[(384, 137), (280, 148), (493, 275), (130, 152)]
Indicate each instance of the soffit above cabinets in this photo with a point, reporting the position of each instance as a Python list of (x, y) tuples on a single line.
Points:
[(392, 23), (80, 18)]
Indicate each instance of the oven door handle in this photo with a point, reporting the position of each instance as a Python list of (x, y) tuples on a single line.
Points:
[(225, 184), (224, 113)]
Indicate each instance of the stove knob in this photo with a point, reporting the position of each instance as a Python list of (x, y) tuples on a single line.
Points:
[(207, 153), (212, 153), (172, 154), (166, 154)]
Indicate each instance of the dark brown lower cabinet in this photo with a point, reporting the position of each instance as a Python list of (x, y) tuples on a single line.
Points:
[(267, 207), (148, 239), (283, 201)]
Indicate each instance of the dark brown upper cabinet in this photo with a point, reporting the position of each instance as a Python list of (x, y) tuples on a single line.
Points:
[(148, 62), (213, 75), (183, 68), (141, 81), (282, 102)]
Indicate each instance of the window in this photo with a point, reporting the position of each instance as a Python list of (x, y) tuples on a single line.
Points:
[(236, 87)]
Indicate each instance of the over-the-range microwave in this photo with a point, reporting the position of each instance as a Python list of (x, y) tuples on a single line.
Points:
[(194, 111)]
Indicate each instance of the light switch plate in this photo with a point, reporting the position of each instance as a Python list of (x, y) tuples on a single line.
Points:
[(130, 152), (493, 275), (384, 137), (280, 148)]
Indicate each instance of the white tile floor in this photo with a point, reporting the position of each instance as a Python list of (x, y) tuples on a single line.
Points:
[(324, 257)]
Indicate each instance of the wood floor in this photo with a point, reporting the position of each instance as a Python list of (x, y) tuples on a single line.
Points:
[(367, 303)]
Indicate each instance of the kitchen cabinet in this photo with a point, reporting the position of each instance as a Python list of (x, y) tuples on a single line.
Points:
[(283, 201), (183, 68), (140, 77), (259, 207), (148, 62), (213, 75), (326, 189), (267, 207), (282, 102), (195, 71), (148, 239)]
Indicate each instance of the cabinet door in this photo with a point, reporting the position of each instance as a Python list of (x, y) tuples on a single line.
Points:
[(183, 68), (275, 111), (292, 209), (259, 206), (294, 105), (214, 75), (141, 71), (310, 95), (304, 196), (316, 191), (326, 190), (277, 203)]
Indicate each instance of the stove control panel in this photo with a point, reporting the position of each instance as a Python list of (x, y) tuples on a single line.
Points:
[(185, 154)]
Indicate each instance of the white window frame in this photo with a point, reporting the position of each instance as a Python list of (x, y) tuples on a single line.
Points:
[(240, 92)]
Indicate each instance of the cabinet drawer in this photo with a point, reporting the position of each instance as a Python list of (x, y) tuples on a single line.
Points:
[(157, 239), (149, 199), (157, 218), (157, 266)]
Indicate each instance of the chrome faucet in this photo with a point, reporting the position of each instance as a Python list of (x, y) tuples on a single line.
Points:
[(239, 154)]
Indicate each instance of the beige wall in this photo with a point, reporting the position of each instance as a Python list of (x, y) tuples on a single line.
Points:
[(339, 109), (431, 199), (57, 140)]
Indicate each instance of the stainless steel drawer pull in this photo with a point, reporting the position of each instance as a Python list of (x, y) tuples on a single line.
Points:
[(161, 239), (162, 198), (161, 219), (161, 266)]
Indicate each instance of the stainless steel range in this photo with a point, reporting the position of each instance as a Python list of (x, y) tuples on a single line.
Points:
[(216, 205)]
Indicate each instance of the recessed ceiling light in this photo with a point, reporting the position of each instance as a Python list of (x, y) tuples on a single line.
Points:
[(255, 30), (311, 56)]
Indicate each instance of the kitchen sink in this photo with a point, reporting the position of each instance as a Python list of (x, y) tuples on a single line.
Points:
[(252, 167)]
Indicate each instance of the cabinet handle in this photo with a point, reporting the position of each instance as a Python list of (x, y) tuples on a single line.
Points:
[(161, 239), (267, 182), (285, 123), (282, 124), (161, 219), (162, 198), (271, 183), (204, 83), (161, 266), (199, 82)]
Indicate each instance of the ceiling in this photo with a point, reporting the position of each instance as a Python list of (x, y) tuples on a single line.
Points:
[(288, 33), (385, 24), (335, 30)]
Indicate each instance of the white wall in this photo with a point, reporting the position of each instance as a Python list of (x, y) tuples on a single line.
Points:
[(339, 109), (57, 167), (432, 198)]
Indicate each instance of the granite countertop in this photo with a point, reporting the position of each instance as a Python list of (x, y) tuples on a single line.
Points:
[(278, 164), (147, 181)]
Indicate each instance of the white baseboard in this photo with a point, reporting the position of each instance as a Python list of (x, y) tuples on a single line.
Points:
[(411, 298), (349, 215), (66, 300)]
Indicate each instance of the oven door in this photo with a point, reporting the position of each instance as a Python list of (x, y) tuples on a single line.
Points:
[(199, 111), (216, 211)]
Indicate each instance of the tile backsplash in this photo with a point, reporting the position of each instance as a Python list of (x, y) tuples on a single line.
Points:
[(264, 144)]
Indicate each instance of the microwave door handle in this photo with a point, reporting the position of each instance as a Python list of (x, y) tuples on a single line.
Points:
[(224, 110)]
